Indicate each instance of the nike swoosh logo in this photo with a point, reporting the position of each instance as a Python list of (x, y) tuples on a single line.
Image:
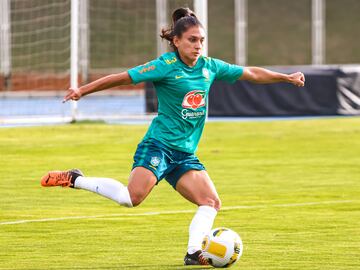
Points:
[(47, 180), (178, 77)]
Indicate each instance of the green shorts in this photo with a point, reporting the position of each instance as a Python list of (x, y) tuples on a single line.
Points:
[(164, 161)]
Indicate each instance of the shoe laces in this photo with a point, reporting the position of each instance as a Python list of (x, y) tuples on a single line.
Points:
[(63, 179), (203, 260)]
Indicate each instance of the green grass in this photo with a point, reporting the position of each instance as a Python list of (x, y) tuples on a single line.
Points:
[(260, 164)]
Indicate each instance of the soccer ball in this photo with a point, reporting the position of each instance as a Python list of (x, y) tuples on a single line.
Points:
[(222, 247)]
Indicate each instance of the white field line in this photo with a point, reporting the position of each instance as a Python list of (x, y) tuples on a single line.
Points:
[(175, 212)]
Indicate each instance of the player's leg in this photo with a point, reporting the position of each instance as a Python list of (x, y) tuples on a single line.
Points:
[(141, 182), (197, 187), (142, 178)]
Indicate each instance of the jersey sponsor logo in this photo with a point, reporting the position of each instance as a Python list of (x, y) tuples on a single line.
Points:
[(185, 114), (146, 69), (194, 100), (178, 77), (170, 61)]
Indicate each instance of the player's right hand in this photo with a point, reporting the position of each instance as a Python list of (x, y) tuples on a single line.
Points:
[(72, 94)]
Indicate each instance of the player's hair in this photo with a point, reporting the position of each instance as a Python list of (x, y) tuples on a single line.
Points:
[(182, 20)]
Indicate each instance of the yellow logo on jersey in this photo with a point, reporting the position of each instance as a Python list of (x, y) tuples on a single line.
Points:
[(170, 61), (178, 77)]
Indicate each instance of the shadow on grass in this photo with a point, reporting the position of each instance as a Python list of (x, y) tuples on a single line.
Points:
[(124, 267), (86, 122)]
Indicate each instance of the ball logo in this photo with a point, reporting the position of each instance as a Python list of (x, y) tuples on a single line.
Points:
[(194, 99)]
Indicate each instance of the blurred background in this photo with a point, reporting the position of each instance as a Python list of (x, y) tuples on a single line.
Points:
[(113, 35)]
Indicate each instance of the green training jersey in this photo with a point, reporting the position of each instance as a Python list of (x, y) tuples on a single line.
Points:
[(182, 93)]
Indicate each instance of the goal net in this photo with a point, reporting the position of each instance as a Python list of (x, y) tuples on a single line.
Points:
[(113, 35), (38, 38)]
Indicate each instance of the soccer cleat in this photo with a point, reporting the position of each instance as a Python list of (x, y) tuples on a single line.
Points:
[(60, 178), (195, 259)]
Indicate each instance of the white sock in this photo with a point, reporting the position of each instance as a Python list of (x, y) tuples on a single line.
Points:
[(106, 187), (200, 225)]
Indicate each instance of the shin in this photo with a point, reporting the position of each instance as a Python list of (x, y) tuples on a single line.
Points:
[(106, 187)]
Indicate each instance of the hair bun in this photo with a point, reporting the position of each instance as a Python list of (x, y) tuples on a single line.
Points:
[(183, 19), (180, 13)]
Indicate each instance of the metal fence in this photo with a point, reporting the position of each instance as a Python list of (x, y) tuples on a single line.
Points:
[(45, 43)]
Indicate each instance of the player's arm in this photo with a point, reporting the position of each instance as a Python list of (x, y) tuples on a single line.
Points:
[(262, 75), (106, 82)]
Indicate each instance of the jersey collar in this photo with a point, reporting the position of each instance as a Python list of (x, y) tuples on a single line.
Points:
[(185, 66)]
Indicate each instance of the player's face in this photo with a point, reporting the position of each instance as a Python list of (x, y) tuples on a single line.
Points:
[(190, 44)]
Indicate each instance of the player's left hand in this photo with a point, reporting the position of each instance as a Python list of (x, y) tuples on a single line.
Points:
[(297, 79)]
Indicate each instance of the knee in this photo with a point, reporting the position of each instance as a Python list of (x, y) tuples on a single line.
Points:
[(136, 199), (136, 195), (212, 202), (217, 203)]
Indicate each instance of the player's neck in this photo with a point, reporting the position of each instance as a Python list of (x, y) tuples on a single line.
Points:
[(187, 61)]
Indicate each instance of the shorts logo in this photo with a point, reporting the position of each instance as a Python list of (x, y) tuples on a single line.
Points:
[(194, 99), (155, 161)]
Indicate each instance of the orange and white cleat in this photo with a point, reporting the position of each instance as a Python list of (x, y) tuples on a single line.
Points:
[(60, 178)]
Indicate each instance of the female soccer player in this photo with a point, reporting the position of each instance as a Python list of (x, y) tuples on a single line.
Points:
[(182, 79)]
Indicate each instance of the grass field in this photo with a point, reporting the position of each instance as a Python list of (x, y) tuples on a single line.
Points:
[(290, 188)]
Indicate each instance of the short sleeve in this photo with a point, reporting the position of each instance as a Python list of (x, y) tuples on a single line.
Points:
[(150, 71), (227, 72)]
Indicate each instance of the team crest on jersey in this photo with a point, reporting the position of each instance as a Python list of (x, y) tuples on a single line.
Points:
[(205, 73), (155, 161), (194, 99)]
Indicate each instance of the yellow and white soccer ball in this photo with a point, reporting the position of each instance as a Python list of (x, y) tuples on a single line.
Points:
[(222, 247)]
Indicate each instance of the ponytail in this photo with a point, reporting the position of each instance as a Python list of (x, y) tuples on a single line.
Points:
[(182, 20)]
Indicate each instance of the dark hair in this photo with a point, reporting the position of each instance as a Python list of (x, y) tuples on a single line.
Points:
[(182, 20)]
